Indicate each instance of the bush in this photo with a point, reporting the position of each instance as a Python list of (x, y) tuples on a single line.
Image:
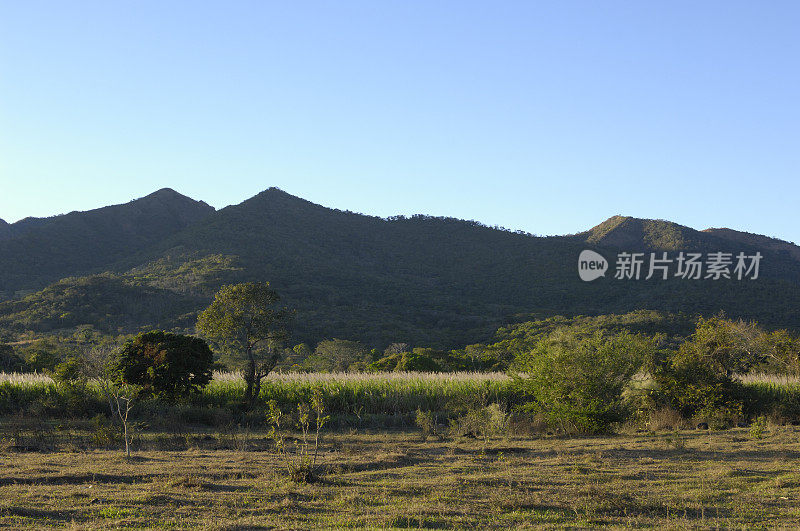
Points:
[(164, 364), (699, 376), (577, 379), (426, 421), (104, 432), (70, 371), (300, 462), (721, 417), (485, 422), (686, 382), (420, 359), (9, 360), (665, 418), (758, 427), (43, 360)]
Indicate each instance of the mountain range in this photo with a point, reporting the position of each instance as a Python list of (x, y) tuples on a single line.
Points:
[(428, 281)]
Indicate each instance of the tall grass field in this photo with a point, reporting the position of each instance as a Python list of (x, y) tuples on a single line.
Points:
[(357, 395), (345, 394)]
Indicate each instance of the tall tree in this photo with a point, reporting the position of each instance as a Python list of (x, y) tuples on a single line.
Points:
[(247, 317), (339, 355)]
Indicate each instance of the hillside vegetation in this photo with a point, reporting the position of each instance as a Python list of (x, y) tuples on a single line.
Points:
[(37, 251), (428, 281)]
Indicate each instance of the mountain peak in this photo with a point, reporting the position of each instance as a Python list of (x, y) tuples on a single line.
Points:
[(638, 233), (182, 207), (165, 192), (272, 198), (273, 192), (86, 242), (5, 230), (600, 231), (168, 194)]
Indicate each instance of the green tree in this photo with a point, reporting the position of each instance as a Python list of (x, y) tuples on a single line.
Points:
[(9, 361), (70, 371), (164, 364), (247, 318), (782, 349), (699, 375), (729, 347), (419, 359), (339, 355), (295, 358), (43, 360), (578, 378)]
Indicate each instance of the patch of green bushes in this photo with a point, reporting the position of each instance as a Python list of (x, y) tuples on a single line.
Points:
[(577, 378)]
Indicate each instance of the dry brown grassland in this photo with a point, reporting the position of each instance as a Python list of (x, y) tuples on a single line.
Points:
[(380, 480)]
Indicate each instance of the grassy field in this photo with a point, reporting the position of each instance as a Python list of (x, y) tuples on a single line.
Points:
[(395, 480), (203, 463), (357, 399)]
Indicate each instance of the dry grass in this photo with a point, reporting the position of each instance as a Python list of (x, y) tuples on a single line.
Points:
[(300, 377), (392, 480), (666, 418), (368, 377), (25, 378), (774, 379), (305, 378)]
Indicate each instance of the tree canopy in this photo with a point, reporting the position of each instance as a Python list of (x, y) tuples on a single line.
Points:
[(247, 317), (164, 364)]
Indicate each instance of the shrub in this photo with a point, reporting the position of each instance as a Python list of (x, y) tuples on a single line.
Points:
[(665, 418), (686, 382), (721, 417), (70, 371), (426, 422), (699, 375), (577, 379), (485, 422), (727, 347), (301, 462), (758, 427), (43, 360), (164, 364), (104, 432)]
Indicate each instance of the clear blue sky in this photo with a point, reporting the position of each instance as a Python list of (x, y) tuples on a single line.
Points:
[(542, 116)]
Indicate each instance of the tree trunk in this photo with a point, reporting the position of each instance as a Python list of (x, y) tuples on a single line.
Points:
[(250, 378), (127, 442), (256, 390)]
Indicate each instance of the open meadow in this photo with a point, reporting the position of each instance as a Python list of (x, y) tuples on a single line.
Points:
[(203, 464), (394, 479)]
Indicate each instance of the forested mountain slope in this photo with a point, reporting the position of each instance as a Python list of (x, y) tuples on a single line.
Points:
[(422, 280), (38, 251)]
